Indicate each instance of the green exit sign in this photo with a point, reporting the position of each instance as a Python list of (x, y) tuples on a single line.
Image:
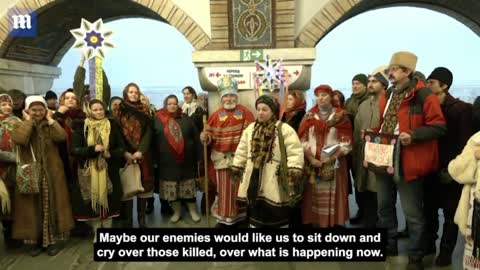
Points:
[(251, 55)]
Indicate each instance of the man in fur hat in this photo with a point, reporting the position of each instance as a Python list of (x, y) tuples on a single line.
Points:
[(411, 111)]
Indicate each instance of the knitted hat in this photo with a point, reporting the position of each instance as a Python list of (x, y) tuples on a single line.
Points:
[(361, 78), (324, 88), (443, 75), (267, 100), (380, 75), (404, 59), (50, 95), (35, 99), (227, 85)]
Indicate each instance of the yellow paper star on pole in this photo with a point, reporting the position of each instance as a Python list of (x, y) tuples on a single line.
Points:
[(92, 38)]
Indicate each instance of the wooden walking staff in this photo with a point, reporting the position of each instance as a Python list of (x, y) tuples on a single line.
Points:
[(205, 167)]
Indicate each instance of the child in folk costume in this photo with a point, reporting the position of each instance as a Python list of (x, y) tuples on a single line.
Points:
[(325, 199), (99, 148), (46, 217), (264, 189), (7, 168), (465, 169)]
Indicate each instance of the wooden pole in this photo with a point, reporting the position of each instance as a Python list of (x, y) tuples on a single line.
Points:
[(205, 164)]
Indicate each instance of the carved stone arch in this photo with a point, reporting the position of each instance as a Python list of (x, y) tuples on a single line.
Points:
[(335, 12), (56, 18)]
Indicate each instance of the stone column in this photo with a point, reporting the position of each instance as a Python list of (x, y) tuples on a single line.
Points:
[(239, 63), (29, 78)]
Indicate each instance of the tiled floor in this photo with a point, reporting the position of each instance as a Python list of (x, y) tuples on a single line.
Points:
[(78, 254)]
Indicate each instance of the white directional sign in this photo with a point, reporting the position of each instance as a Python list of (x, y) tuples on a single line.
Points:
[(245, 75)]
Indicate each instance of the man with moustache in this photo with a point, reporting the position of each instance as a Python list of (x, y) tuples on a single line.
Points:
[(368, 118), (223, 132), (441, 191), (411, 111)]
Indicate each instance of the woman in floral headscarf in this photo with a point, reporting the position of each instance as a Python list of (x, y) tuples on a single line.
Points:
[(179, 149), (325, 202), (99, 147), (296, 105), (137, 125), (7, 167)]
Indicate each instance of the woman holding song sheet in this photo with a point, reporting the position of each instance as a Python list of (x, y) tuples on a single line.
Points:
[(326, 135)]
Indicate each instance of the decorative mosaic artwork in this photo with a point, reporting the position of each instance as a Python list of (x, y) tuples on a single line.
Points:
[(251, 23)]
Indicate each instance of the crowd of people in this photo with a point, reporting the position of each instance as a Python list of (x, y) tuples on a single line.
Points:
[(292, 169)]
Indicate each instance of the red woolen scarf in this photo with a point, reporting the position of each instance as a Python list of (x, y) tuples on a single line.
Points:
[(5, 145), (173, 133)]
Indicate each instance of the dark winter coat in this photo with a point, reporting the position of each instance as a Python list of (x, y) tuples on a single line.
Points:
[(80, 149), (295, 120), (459, 129), (197, 118), (167, 167), (70, 163), (79, 86), (476, 114)]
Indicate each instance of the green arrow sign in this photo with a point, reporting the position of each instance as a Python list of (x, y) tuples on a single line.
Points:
[(251, 55)]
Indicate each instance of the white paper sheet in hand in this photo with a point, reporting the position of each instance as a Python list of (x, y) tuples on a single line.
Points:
[(330, 150)]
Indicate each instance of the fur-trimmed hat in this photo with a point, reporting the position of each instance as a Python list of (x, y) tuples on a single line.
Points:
[(404, 59)]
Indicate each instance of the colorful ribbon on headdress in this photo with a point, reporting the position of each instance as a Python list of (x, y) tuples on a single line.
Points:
[(283, 95), (96, 77)]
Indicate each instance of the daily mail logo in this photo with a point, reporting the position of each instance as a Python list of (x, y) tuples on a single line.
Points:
[(22, 23)]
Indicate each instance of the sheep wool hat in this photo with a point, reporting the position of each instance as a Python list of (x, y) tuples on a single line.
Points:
[(404, 59)]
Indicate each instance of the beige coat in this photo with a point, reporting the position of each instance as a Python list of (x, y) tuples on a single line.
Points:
[(368, 117), (270, 188), (28, 212), (465, 169)]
